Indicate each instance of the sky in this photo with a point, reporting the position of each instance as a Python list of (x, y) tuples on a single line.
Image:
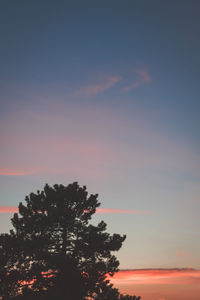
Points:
[(106, 93)]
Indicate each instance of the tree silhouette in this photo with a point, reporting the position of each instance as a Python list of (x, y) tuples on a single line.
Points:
[(54, 252)]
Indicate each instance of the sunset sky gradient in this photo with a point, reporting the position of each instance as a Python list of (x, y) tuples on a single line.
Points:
[(106, 93)]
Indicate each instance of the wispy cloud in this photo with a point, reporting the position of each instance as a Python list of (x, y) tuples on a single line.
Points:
[(121, 211), (8, 209), (91, 146), (14, 172), (99, 88), (143, 77)]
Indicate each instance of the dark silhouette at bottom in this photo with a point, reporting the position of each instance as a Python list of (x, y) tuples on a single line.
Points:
[(54, 252)]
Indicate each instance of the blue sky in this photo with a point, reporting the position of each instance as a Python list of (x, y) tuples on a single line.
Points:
[(107, 93)]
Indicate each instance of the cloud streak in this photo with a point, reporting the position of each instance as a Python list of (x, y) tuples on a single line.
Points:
[(8, 209), (14, 172), (93, 90), (143, 77), (13, 209), (121, 211)]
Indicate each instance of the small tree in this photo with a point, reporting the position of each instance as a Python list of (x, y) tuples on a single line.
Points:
[(53, 250)]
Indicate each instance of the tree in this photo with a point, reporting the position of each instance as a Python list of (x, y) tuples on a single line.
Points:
[(53, 250), (8, 275)]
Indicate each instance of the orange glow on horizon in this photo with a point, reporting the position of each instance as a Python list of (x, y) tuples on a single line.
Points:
[(159, 284), (158, 276), (153, 284)]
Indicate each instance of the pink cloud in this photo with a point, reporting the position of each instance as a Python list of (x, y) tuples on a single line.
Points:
[(95, 89), (12, 209), (180, 253), (12, 172), (143, 77), (8, 209), (121, 211)]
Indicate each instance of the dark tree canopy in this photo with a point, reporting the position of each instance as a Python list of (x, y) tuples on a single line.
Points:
[(53, 250)]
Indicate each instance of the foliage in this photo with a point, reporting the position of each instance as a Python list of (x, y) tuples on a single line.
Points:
[(53, 250)]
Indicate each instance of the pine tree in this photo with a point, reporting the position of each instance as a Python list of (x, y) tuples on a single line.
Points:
[(54, 250)]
